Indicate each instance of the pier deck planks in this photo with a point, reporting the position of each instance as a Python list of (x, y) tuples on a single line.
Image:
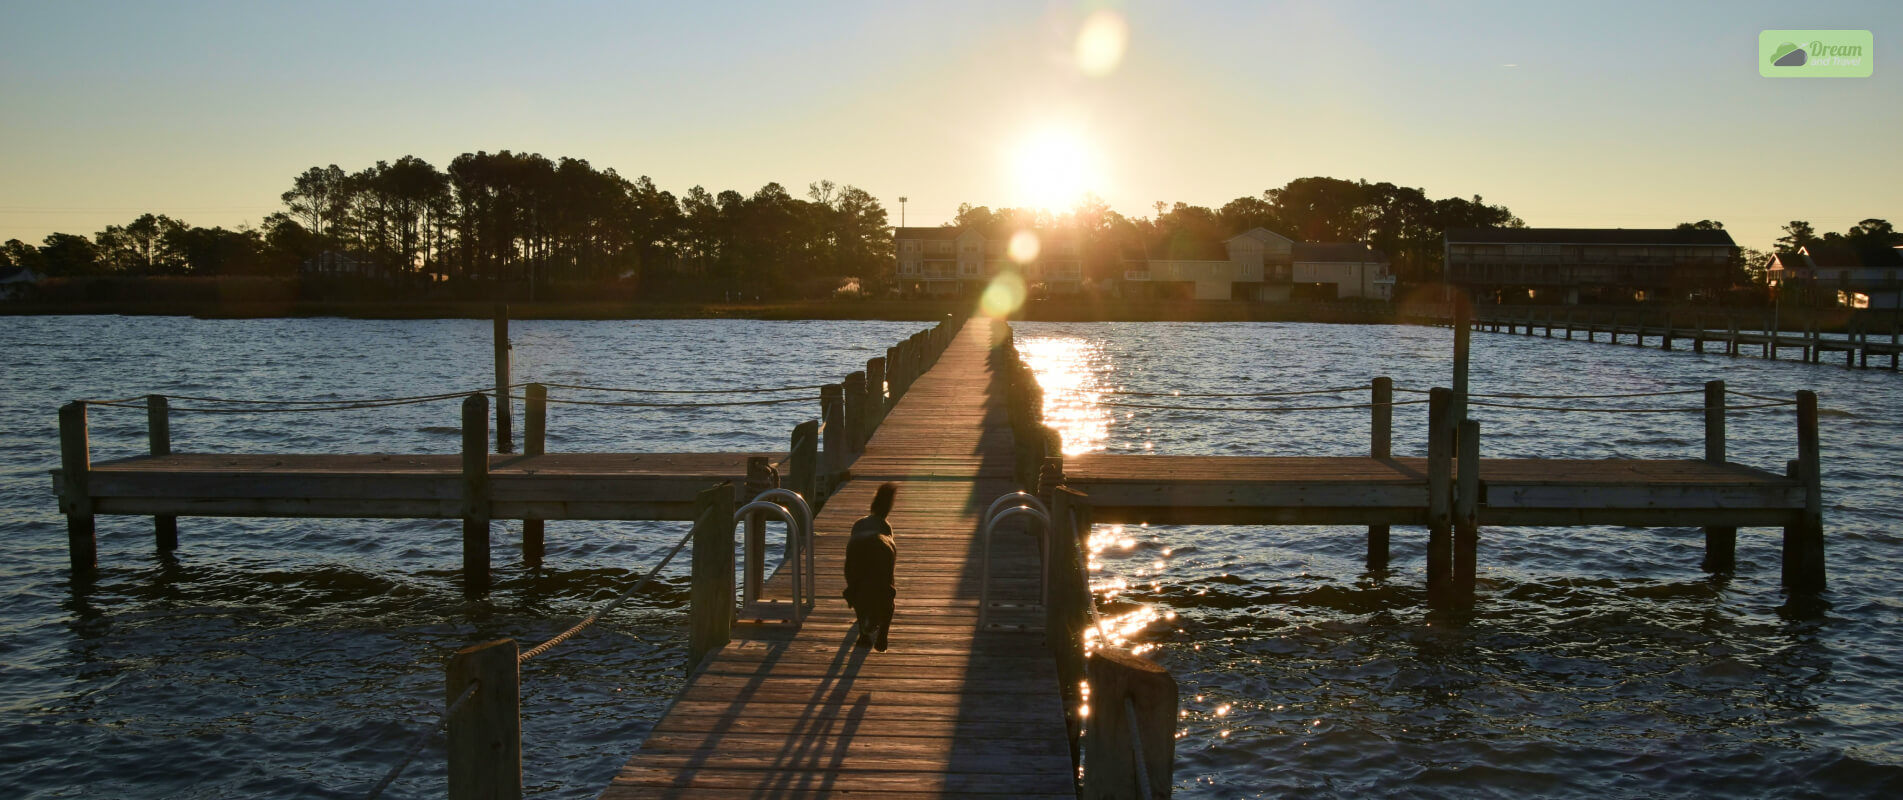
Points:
[(786, 711)]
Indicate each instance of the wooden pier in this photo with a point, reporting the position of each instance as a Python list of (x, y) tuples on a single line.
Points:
[(796, 711), (1736, 335)]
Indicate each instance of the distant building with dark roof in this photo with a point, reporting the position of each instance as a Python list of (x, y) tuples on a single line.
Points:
[(1867, 278), (941, 261), (1570, 264), (1260, 264)]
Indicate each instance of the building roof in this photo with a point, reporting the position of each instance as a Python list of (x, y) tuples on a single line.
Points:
[(1841, 255), (18, 275), (1354, 252), (1629, 236), (925, 233), (1188, 248)]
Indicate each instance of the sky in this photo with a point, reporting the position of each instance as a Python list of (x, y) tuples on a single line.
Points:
[(1574, 114)]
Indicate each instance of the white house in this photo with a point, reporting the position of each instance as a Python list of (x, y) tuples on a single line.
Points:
[(945, 261), (1353, 269), (1252, 265), (1861, 279), (16, 280)]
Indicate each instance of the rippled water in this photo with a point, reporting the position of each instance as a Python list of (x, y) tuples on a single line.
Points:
[(297, 658), (1600, 661), (288, 658)]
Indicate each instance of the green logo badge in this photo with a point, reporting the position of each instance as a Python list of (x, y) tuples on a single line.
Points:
[(1815, 54)]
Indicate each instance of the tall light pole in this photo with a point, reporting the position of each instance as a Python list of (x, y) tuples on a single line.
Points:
[(902, 211)]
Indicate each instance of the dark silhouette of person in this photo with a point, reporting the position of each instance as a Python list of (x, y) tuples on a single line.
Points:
[(871, 560)]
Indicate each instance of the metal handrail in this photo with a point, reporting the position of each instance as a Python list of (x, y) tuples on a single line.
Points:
[(992, 518), (792, 533), (806, 533)]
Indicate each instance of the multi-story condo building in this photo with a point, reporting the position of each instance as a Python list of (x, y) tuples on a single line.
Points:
[(1566, 265), (939, 261)]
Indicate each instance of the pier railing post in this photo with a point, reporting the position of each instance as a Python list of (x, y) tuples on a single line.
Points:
[(158, 434), (534, 443), (1804, 543), (832, 413), (803, 465), (485, 733), (1467, 513), (475, 495), (875, 394), (894, 374), (753, 543), (1440, 435), (1380, 445), (1130, 741), (75, 464), (1721, 542), (710, 610), (855, 411), (504, 436), (1463, 341)]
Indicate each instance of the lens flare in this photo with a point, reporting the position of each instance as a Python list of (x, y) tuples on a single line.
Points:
[(1023, 248), (1004, 295), (1100, 44)]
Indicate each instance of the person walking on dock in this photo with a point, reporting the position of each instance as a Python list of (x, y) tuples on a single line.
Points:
[(871, 560)]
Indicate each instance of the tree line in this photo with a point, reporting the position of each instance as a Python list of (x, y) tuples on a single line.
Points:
[(510, 217), (1401, 221)]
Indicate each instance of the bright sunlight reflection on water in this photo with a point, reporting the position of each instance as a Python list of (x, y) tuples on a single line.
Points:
[(1068, 370)]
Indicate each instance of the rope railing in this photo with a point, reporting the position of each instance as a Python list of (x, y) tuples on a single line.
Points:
[(1526, 396), (422, 740), (610, 606), (1671, 410), (633, 404), (625, 390), (346, 406), (1339, 390)]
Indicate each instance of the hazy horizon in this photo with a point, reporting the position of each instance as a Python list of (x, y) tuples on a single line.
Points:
[(1629, 115)]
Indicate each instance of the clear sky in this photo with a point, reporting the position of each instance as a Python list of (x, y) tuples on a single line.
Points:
[(1639, 114)]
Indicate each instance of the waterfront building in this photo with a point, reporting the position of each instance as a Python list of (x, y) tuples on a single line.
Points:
[(1334, 270), (951, 261), (1570, 265), (1262, 265), (1832, 271)]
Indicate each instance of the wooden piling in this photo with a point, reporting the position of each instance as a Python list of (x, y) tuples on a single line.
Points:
[(854, 407), (1440, 446), (832, 413), (1463, 336), (1467, 513), (710, 609), (75, 461), (504, 436), (158, 434), (1721, 542), (1665, 342), (753, 543), (803, 464), (1130, 739), (485, 734), (1380, 445), (475, 495), (875, 394), (534, 443), (1804, 543)]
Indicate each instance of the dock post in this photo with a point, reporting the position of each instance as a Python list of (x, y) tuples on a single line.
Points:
[(1721, 542), (75, 464), (894, 375), (1067, 599), (504, 435), (753, 543), (1569, 323), (802, 470), (1463, 342), (1467, 513), (855, 411), (1130, 745), (485, 733), (1665, 342), (875, 394), (158, 434), (832, 414), (1380, 445), (534, 443), (1804, 543), (710, 610), (1440, 446), (476, 495)]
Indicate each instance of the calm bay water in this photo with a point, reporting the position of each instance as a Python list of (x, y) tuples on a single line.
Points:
[(298, 658), (1600, 661)]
